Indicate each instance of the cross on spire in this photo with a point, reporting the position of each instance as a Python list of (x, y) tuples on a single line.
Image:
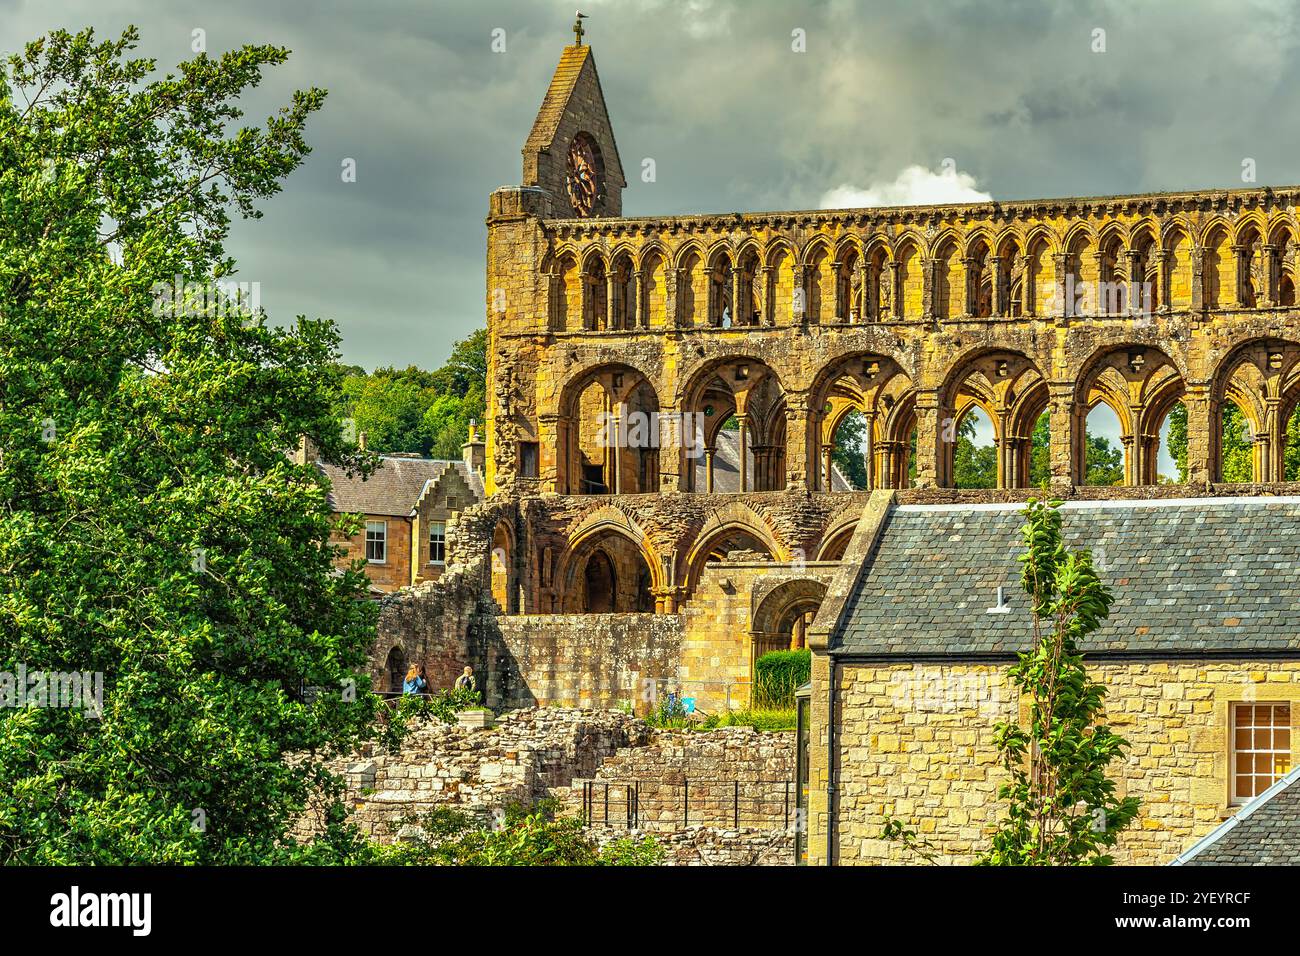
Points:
[(578, 32)]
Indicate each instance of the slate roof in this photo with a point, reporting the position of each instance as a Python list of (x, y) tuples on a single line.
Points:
[(395, 486), (1199, 577), (1265, 832)]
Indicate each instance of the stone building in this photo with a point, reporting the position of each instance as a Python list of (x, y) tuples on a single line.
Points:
[(632, 358), (1200, 657), (406, 504)]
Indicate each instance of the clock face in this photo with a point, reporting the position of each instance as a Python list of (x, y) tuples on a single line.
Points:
[(584, 175)]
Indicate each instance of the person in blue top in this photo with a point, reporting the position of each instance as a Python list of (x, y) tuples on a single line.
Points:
[(415, 682)]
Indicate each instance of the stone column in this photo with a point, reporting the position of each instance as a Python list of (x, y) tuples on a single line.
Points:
[(896, 290), (858, 308), (672, 281), (1196, 400), (928, 451), (1062, 442), (797, 477), (1028, 286), (1198, 278), (1271, 274), (673, 449), (1065, 290), (1162, 258), (609, 300), (617, 410), (969, 283), (800, 295), (743, 464), (1000, 305), (869, 453), (769, 296), (709, 454), (555, 322), (636, 320), (1241, 255), (735, 276), (548, 464), (929, 272)]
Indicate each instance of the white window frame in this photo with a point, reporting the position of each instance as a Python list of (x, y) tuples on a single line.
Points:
[(1272, 748), (381, 538), (442, 541)]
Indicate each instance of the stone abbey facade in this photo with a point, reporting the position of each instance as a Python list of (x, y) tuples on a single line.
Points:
[(782, 323), (662, 508)]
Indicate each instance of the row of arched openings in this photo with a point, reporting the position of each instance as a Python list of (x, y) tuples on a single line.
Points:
[(1113, 271), (1129, 424)]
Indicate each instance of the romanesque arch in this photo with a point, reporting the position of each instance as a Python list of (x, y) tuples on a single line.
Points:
[(1261, 377), (608, 433), (876, 386), (610, 567), (1141, 385), (782, 617), (734, 527), (746, 393), (1011, 391)]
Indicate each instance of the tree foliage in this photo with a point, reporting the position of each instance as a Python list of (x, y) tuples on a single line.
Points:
[(517, 836), (414, 410), (153, 529), (1063, 809)]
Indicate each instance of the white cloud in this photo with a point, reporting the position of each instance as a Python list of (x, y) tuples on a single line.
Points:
[(914, 186)]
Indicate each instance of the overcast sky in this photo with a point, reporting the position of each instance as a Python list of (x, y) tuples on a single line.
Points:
[(1015, 92)]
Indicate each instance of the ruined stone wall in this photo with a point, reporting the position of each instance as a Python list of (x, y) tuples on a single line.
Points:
[(720, 846), (721, 797), (958, 306), (518, 761), (593, 660), (916, 743)]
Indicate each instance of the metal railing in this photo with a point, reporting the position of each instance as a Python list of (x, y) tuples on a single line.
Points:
[(685, 802)]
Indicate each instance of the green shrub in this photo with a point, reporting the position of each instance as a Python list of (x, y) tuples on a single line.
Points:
[(517, 836), (777, 675), (759, 719)]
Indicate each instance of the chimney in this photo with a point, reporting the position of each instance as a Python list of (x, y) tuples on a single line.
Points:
[(361, 441), (306, 453), (474, 451)]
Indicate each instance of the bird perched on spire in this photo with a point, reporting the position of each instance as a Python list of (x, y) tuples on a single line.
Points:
[(578, 32)]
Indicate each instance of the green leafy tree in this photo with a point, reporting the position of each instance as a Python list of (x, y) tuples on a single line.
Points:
[(849, 438), (1237, 448), (1291, 457), (1178, 439), (1105, 462), (973, 466), (1063, 808), (1040, 455), (414, 410), (153, 530)]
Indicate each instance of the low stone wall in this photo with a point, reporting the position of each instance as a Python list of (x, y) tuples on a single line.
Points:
[(713, 846), (520, 760), (732, 778)]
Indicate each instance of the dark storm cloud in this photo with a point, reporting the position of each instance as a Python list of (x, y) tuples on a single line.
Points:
[(711, 90)]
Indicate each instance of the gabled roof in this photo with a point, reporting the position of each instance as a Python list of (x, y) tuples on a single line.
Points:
[(396, 486), (1265, 832), (573, 61), (1190, 577)]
